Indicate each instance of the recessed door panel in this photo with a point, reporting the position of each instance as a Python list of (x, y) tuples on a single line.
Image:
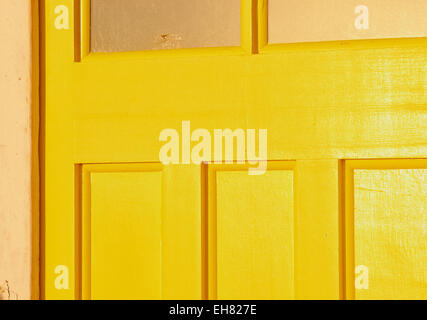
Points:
[(124, 245), (254, 235), (390, 221), (138, 233)]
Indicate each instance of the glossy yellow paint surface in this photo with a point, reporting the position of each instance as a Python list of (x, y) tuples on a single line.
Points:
[(390, 232), (386, 229), (318, 246), (255, 233), (322, 103), (125, 213), (133, 230)]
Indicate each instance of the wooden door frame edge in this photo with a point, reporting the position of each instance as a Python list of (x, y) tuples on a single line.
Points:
[(36, 152)]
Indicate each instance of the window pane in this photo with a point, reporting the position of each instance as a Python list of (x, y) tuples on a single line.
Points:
[(134, 25), (327, 20)]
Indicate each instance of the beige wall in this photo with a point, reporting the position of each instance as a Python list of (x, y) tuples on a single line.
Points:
[(16, 170)]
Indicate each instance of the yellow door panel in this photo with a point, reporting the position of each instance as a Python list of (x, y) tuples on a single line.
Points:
[(389, 222), (216, 231), (125, 236), (254, 223), (140, 232), (275, 236)]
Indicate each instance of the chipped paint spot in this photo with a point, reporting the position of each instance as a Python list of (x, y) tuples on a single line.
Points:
[(168, 41)]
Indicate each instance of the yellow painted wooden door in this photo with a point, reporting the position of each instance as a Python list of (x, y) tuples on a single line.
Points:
[(339, 213)]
